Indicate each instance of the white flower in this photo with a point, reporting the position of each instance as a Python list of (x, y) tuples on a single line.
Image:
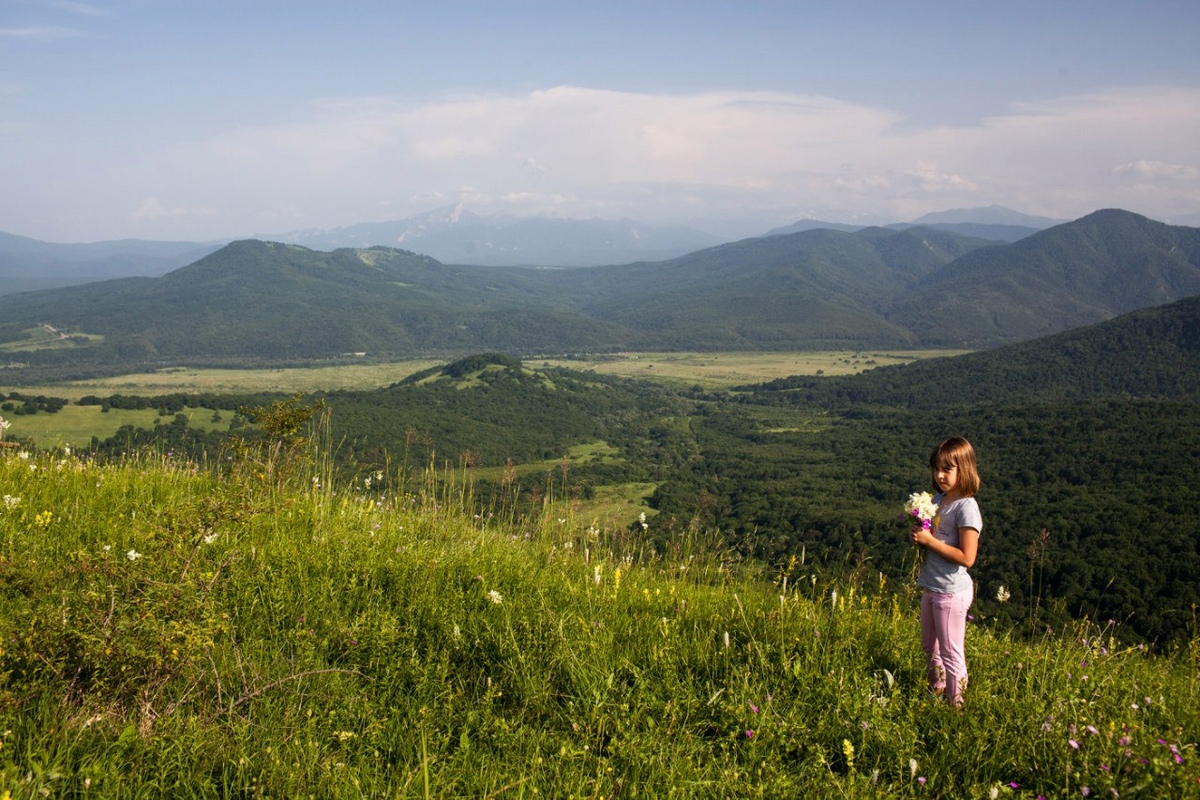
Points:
[(210, 538), (1002, 594), (11, 502), (495, 597), (921, 506), (133, 555), (642, 520)]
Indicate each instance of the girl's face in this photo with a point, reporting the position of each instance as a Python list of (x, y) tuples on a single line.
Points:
[(946, 476)]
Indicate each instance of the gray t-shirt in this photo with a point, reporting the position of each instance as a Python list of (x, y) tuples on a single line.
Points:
[(938, 574)]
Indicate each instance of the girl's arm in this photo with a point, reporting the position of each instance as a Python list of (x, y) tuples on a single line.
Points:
[(968, 545)]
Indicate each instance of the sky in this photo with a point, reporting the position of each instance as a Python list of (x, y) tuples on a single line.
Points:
[(174, 120)]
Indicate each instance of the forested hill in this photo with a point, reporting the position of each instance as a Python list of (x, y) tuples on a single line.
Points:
[(1151, 353), (269, 302), (1071, 275)]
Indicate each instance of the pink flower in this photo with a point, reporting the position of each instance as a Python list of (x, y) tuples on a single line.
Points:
[(1074, 744), (749, 734)]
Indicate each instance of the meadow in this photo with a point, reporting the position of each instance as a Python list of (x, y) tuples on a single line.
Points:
[(265, 631)]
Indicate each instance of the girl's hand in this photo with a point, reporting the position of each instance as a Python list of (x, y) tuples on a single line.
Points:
[(920, 536)]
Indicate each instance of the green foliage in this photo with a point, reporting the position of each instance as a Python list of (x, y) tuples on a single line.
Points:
[(166, 633)]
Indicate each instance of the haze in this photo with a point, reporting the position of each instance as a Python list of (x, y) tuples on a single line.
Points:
[(206, 120)]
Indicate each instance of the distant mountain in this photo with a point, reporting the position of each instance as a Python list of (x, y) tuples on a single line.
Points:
[(457, 236), (988, 215), (1071, 275), (876, 287), (27, 264), (822, 287), (978, 230), (812, 225)]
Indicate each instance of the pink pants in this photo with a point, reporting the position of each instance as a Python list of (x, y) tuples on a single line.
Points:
[(943, 632)]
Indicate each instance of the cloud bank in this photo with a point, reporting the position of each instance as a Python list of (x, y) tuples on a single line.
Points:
[(751, 159)]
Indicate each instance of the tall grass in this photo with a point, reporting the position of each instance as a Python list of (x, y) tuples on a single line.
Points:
[(169, 632)]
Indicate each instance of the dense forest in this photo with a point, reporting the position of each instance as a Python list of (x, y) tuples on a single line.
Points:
[(1089, 444)]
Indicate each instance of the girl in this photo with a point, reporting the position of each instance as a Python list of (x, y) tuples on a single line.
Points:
[(951, 545)]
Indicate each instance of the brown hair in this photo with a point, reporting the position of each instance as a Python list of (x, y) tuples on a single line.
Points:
[(958, 452)]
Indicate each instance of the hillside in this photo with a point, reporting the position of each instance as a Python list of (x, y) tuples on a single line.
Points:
[(1151, 353), (1071, 275), (167, 632), (268, 302)]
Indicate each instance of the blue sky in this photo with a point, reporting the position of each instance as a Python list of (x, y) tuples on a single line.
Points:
[(201, 120)]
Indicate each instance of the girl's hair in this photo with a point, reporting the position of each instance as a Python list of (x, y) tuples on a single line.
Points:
[(958, 452)]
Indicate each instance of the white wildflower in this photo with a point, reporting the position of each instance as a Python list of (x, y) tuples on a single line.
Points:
[(11, 502), (495, 597), (1002, 594), (133, 555), (210, 538)]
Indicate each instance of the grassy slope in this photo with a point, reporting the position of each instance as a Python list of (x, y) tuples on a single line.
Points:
[(165, 633)]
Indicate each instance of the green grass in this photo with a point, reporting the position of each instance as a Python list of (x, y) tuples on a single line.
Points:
[(74, 426), (715, 371), (710, 370), (46, 337), (165, 632), (236, 381)]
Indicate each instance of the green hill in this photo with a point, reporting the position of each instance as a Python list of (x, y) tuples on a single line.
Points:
[(165, 632), (1075, 274), (1151, 353), (267, 302)]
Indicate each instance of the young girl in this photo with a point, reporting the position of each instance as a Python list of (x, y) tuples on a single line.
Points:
[(951, 545)]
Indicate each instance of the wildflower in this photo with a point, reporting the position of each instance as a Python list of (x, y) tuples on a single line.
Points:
[(210, 538), (1002, 594), (749, 733), (921, 780), (1085, 791), (133, 555), (495, 597), (848, 751), (642, 520), (912, 768), (1092, 730), (1074, 744), (754, 708), (11, 502)]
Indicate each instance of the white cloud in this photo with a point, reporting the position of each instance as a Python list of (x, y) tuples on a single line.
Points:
[(721, 156), (1156, 170)]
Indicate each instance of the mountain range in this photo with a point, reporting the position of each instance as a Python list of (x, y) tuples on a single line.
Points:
[(872, 288), (452, 235)]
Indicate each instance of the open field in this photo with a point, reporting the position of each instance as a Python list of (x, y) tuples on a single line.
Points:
[(710, 370), (235, 381), (723, 370), (74, 426)]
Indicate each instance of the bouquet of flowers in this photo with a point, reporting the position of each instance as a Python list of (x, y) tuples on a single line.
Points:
[(921, 506)]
